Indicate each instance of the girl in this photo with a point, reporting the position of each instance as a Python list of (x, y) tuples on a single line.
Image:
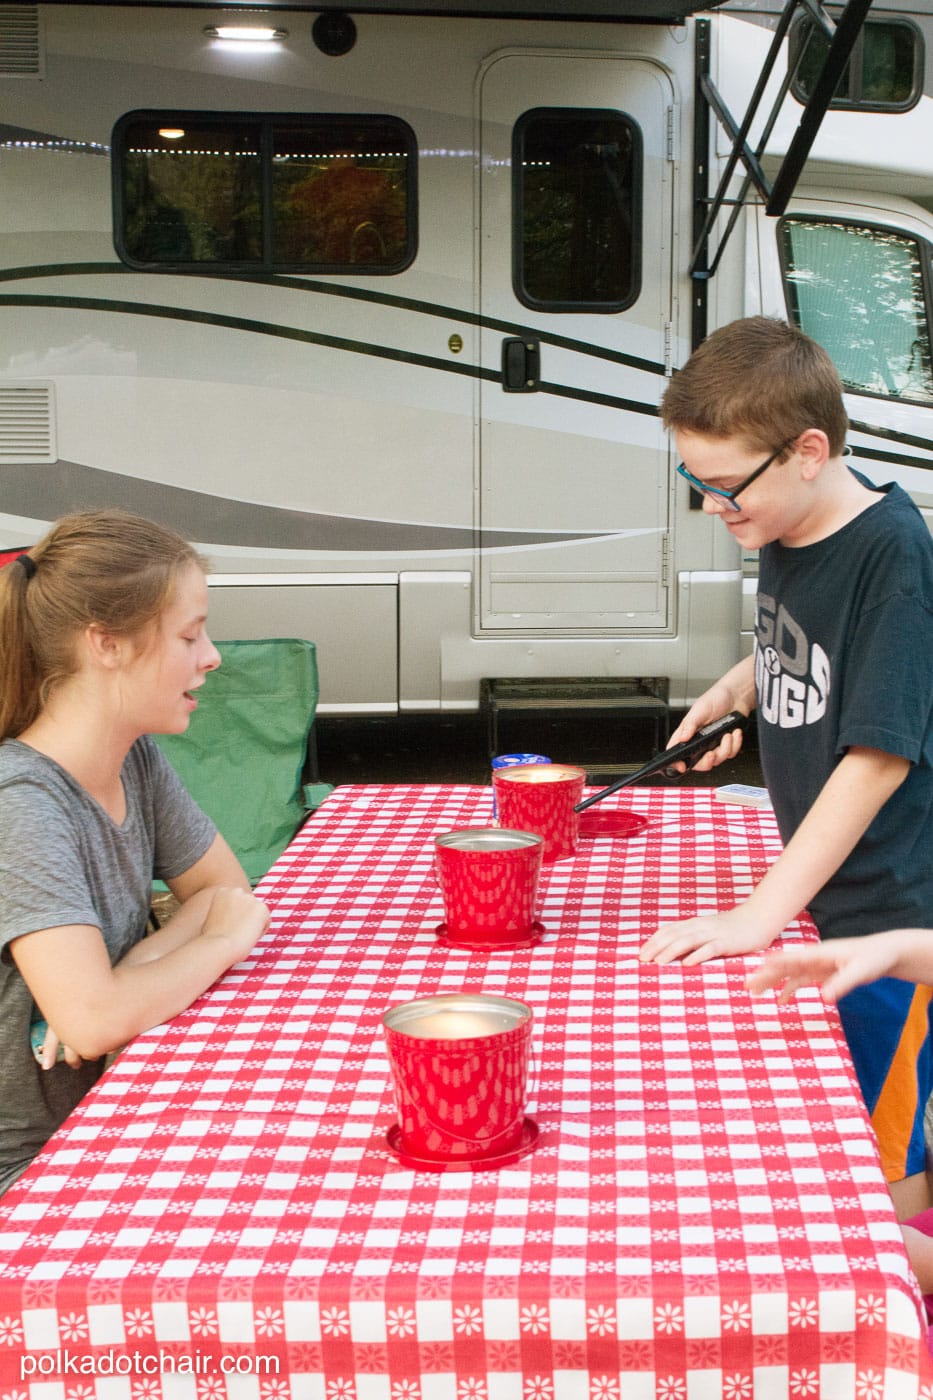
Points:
[(102, 642), (837, 965)]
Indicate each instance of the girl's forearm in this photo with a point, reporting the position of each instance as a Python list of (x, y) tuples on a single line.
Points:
[(911, 953), (186, 923), (95, 1008)]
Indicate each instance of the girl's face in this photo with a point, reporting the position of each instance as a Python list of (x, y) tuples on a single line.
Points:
[(173, 660)]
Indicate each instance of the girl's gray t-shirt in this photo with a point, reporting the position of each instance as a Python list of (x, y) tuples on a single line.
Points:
[(64, 860)]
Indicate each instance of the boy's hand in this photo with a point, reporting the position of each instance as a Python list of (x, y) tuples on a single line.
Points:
[(727, 748), (707, 936), (730, 693)]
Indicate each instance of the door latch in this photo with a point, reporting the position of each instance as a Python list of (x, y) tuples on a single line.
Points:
[(521, 365)]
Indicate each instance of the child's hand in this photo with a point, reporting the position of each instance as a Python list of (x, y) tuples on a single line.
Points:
[(237, 916), (708, 936), (714, 705), (836, 965), (52, 1050)]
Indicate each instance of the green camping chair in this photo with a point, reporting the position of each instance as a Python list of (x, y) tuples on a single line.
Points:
[(250, 745)]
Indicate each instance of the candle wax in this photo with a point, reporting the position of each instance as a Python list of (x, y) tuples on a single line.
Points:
[(549, 773), (488, 843), (454, 1025)]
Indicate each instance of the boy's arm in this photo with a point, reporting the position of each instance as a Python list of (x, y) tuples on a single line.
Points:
[(851, 798), (839, 964)]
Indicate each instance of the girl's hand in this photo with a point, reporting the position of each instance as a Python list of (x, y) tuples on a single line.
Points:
[(238, 917), (836, 965), (50, 1052)]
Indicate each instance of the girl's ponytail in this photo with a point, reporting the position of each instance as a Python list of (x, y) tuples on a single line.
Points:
[(19, 676)]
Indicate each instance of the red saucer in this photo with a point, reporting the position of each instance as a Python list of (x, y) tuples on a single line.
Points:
[(594, 824), (464, 1164), (489, 945)]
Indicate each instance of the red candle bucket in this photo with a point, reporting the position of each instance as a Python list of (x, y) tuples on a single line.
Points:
[(489, 879), (540, 798), (459, 1071)]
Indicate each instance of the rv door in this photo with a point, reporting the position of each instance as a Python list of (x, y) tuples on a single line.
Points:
[(575, 234)]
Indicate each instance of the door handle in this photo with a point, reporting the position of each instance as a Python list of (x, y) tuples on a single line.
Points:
[(521, 365)]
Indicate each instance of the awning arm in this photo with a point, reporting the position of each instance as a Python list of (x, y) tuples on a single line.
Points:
[(848, 29), (842, 36)]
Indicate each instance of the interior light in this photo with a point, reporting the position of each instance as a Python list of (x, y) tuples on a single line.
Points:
[(247, 34), (171, 133)]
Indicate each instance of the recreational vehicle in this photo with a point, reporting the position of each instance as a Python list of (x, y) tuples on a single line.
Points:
[(377, 305)]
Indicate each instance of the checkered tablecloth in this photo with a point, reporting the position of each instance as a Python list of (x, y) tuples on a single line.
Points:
[(704, 1215)]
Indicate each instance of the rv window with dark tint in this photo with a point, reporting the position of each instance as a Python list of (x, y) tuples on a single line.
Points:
[(884, 72), (861, 292), (191, 195), (322, 194), (340, 196), (577, 207)]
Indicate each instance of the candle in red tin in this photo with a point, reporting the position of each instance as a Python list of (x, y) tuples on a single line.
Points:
[(489, 880), (459, 1068), (541, 798)]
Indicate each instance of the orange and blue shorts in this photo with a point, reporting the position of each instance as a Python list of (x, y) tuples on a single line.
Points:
[(887, 1026)]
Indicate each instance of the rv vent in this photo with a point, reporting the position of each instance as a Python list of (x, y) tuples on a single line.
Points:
[(20, 50), (27, 424)]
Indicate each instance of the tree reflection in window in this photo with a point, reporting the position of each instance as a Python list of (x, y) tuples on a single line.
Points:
[(577, 197), (339, 206), (859, 291), (327, 193), (192, 198)]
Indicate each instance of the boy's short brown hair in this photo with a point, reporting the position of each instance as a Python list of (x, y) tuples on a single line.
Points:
[(760, 379)]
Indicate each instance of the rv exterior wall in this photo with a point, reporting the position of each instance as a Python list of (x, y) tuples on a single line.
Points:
[(341, 442)]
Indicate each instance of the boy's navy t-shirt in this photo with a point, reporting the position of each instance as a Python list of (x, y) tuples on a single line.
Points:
[(844, 657)]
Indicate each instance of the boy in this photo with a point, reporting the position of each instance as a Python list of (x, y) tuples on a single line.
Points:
[(842, 676)]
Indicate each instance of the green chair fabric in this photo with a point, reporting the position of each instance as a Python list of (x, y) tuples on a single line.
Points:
[(244, 754)]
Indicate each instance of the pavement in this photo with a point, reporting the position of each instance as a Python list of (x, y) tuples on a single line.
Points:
[(454, 748)]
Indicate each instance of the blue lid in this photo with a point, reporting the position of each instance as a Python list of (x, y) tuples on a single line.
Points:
[(513, 760)]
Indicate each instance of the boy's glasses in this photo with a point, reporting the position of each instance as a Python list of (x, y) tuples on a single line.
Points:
[(716, 493)]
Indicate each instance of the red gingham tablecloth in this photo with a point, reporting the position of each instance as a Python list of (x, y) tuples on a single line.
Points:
[(704, 1214)]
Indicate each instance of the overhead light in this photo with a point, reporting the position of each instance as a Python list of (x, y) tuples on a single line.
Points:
[(245, 34), (171, 133)]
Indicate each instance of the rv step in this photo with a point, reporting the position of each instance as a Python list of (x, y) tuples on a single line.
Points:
[(624, 697)]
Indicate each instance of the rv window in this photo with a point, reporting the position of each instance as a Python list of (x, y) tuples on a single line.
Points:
[(577, 206), (322, 193), (860, 291), (340, 196), (883, 74)]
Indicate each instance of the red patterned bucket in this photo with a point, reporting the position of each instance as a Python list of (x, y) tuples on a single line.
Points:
[(459, 1073), (541, 798), (489, 879)]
